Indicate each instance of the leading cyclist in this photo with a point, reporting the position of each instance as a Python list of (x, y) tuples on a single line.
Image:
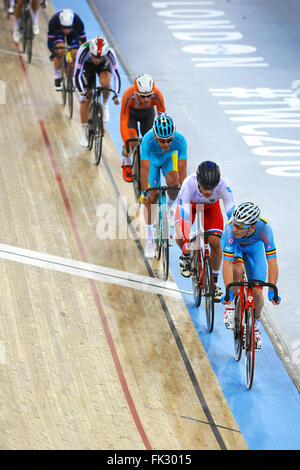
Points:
[(202, 192), (65, 24), (138, 106), (248, 244), (163, 149), (95, 57), (35, 7)]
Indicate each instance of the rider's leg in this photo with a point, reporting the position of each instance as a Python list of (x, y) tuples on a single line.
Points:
[(17, 12), (35, 5), (104, 78)]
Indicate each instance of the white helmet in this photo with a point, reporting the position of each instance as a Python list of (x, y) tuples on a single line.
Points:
[(66, 18), (98, 46), (144, 84), (246, 213)]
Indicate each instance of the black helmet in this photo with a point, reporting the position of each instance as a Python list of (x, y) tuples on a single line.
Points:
[(208, 175)]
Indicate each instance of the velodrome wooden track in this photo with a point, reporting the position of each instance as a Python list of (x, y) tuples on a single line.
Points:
[(88, 364)]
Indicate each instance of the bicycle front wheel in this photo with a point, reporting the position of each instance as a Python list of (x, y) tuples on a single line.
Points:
[(209, 294), (165, 245), (99, 133), (249, 347), (237, 332), (70, 91), (136, 172), (195, 273)]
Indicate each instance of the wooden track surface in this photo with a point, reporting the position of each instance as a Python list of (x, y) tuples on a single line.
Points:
[(88, 364)]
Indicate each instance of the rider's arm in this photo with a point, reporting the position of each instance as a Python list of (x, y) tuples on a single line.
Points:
[(159, 101), (227, 198), (227, 271), (182, 156), (124, 115), (80, 28), (83, 54), (145, 168), (51, 34), (111, 56)]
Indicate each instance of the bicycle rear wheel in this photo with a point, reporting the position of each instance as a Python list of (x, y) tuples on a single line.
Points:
[(136, 172), (70, 91), (99, 133), (195, 272), (165, 245), (249, 347), (237, 332), (209, 294)]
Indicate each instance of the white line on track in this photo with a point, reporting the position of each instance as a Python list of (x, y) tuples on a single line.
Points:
[(90, 271)]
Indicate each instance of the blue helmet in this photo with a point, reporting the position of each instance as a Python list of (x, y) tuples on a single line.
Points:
[(163, 127)]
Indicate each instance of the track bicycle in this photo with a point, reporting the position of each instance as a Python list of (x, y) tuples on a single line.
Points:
[(67, 77), (26, 29), (163, 237), (244, 330), (95, 122), (136, 165), (201, 273)]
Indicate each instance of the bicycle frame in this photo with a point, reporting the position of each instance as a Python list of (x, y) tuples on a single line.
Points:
[(95, 122), (164, 238), (244, 328), (136, 164)]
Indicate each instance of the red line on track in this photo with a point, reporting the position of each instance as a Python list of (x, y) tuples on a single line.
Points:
[(103, 318)]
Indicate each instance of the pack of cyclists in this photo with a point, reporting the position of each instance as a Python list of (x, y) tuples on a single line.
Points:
[(246, 244)]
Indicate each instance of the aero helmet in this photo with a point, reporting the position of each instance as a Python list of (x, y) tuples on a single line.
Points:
[(144, 84), (98, 47), (163, 127), (208, 175), (66, 18), (246, 213)]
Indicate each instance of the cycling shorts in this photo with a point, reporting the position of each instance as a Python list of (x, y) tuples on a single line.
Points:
[(254, 258), (144, 116), (169, 163), (213, 218), (90, 70)]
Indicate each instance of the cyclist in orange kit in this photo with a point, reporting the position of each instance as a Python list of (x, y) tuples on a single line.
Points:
[(138, 104)]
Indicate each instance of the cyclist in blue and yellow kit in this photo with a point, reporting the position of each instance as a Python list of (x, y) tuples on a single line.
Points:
[(248, 243), (163, 149)]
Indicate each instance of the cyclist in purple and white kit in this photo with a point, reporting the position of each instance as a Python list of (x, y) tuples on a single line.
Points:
[(248, 244), (202, 192), (95, 57)]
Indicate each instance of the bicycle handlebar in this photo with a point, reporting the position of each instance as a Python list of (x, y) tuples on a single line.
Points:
[(133, 139), (162, 188), (98, 89), (252, 283)]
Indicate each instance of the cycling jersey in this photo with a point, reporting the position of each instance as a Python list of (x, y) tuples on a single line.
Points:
[(84, 61), (162, 160), (253, 250), (76, 36), (131, 107), (191, 201)]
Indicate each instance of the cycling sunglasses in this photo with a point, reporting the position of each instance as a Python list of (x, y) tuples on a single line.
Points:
[(240, 226), (145, 96), (167, 141)]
